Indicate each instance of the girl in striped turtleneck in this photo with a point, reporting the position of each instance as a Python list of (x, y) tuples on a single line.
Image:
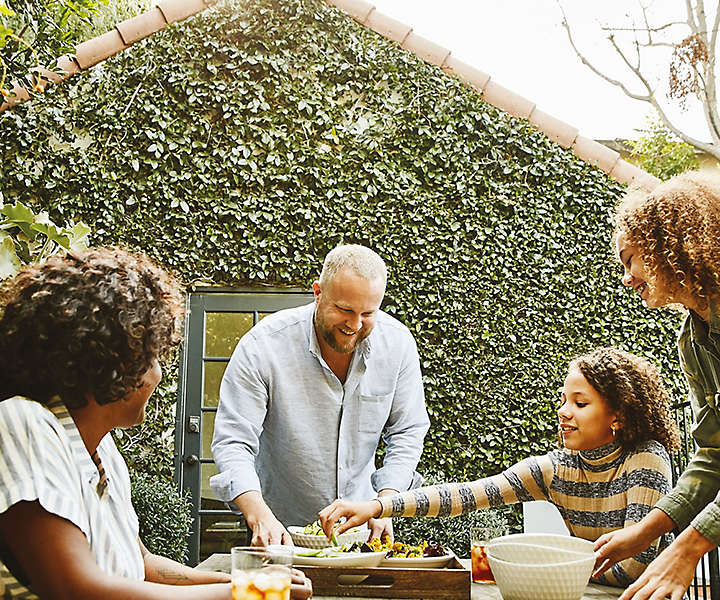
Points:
[(617, 431)]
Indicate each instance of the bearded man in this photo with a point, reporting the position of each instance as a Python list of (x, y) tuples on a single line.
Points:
[(306, 397)]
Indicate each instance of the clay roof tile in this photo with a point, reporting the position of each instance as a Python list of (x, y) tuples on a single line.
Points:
[(425, 49), (358, 9), (68, 65), (506, 100), (475, 77), (388, 27), (557, 130), (178, 10), (142, 26), (96, 50), (595, 153)]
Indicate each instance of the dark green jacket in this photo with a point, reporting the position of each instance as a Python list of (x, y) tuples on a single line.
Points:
[(695, 498)]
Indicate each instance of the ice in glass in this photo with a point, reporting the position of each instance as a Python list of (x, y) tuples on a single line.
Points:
[(261, 573)]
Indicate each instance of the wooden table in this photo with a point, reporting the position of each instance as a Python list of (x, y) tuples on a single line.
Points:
[(478, 591)]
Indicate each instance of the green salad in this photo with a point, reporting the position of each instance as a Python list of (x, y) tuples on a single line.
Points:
[(315, 529)]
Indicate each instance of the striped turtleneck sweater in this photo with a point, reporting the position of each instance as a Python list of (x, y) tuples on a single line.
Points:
[(596, 491)]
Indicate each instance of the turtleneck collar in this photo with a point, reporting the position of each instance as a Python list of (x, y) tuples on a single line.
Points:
[(603, 455)]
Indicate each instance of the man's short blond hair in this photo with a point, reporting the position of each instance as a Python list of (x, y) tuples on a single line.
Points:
[(365, 262)]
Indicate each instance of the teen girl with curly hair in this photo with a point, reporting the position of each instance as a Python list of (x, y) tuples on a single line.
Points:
[(669, 243), (615, 423)]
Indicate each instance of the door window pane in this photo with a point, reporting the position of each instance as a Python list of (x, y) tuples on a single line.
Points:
[(207, 428), (207, 470), (223, 330), (212, 377)]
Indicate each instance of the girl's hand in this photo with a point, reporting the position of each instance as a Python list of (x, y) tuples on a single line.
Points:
[(356, 513), (301, 586)]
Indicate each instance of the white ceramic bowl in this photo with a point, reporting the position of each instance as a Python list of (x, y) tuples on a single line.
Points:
[(320, 541), (534, 566)]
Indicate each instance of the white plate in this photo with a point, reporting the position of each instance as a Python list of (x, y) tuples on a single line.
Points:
[(348, 559), (428, 562)]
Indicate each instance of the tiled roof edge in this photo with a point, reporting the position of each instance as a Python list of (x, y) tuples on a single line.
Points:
[(95, 50), (91, 52), (566, 135)]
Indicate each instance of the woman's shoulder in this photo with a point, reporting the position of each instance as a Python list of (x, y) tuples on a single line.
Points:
[(649, 450), (24, 409)]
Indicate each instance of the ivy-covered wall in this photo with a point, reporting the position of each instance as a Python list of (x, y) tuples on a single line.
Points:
[(241, 146)]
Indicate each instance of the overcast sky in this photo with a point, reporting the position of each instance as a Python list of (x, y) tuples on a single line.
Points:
[(522, 45)]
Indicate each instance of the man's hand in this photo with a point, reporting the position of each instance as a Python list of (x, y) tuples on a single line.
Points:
[(356, 513), (266, 529), (381, 528), (670, 574), (618, 545), (301, 586)]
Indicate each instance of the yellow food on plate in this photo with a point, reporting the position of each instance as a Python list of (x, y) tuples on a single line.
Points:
[(400, 550)]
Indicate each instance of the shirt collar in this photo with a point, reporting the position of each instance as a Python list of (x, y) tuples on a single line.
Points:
[(90, 471), (714, 317), (602, 455)]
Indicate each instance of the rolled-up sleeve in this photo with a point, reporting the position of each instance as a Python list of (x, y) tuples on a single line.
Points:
[(239, 422), (405, 428)]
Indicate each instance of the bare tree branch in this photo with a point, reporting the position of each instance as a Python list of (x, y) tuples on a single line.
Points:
[(658, 45), (702, 70), (648, 28), (597, 72), (714, 32), (690, 16)]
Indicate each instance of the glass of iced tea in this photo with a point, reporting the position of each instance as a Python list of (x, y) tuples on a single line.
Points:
[(479, 537), (261, 573)]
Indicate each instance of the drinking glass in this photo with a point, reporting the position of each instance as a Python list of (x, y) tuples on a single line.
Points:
[(261, 573), (479, 538)]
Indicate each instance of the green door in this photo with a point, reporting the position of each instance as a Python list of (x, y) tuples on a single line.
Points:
[(216, 320)]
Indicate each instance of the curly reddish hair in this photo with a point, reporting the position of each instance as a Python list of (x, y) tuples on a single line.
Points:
[(676, 230), (86, 323), (634, 389)]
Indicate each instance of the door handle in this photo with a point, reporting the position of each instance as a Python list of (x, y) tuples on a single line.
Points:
[(192, 460)]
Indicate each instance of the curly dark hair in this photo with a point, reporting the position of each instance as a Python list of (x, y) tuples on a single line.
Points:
[(85, 323), (634, 389), (676, 231)]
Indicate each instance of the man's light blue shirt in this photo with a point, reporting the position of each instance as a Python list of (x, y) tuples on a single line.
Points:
[(287, 427)]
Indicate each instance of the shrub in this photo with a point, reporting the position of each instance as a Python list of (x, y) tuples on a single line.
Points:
[(164, 515)]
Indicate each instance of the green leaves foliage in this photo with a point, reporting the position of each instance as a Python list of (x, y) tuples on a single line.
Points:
[(27, 237), (241, 146), (660, 152), (165, 516)]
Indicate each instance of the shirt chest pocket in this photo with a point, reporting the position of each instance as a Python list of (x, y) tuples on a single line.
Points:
[(373, 412)]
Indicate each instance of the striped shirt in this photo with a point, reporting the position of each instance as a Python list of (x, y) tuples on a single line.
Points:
[(596, 491), (43, 458)]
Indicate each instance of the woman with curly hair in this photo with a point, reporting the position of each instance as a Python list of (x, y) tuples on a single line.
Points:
[(616, 427), (80, 341), (669, 243)]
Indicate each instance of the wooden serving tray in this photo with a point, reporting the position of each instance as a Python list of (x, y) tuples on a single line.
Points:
[(448, 583)]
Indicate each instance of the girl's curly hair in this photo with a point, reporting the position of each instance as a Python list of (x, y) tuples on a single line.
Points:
[(676, 230), (633, 389), (85, 323)]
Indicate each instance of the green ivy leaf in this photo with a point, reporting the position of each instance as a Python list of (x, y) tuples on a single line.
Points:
[(9, 262)]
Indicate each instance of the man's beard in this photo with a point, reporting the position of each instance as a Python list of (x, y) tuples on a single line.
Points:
[(328, 334)]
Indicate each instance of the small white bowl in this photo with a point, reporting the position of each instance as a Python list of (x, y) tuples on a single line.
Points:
[(320, 541), (541, 566)]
